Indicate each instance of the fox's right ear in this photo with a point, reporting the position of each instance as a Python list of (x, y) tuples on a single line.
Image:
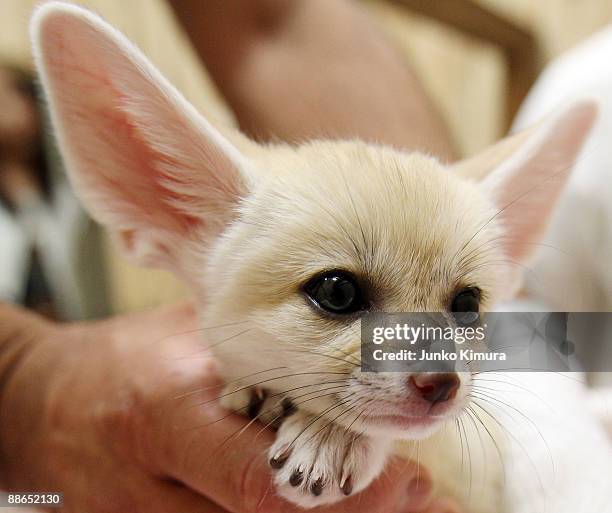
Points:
[(144, 162), (528, 175)]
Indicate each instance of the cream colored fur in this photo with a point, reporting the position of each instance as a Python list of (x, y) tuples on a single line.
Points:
[(247, 225)]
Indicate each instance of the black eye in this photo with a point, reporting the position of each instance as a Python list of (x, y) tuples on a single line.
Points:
[(336, 292), (465, 305)]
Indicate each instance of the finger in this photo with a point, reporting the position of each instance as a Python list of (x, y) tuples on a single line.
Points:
[(159, 324), (197, 442), (168, 497), (219, 455), (418, 492), (403, 484)]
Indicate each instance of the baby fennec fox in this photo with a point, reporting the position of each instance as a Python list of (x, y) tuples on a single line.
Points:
[(287, 246)]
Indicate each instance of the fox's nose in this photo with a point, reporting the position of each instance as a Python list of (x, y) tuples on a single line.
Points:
[(436, 387)]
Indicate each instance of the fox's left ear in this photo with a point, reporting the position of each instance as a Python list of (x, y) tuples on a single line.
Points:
[(528, 173), (144, 162)]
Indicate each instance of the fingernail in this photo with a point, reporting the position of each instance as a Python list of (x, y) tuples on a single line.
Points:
[(417, 495)]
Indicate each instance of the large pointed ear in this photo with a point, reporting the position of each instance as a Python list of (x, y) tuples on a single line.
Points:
[(144, 162), (528, 173)]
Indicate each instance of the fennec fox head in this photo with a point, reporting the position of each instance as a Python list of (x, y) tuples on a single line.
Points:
[(287, 246)]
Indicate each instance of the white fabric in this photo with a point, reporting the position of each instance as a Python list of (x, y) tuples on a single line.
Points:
[(14, 258)]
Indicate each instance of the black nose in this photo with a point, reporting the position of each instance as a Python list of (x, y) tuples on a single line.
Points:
[(436, 387)]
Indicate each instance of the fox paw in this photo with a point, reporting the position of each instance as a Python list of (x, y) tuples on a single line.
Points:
[(317, 462)]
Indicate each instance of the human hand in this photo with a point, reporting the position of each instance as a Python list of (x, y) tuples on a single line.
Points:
[(120, 415)]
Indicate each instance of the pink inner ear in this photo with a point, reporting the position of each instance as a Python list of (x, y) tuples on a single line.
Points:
[(117, 171), (527, 186)]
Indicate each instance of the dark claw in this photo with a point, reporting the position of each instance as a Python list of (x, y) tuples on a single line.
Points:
[(296, 477), (256, 402), (288, 407), (278, 462), (347, 486), (280, 458), (317, 487)]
